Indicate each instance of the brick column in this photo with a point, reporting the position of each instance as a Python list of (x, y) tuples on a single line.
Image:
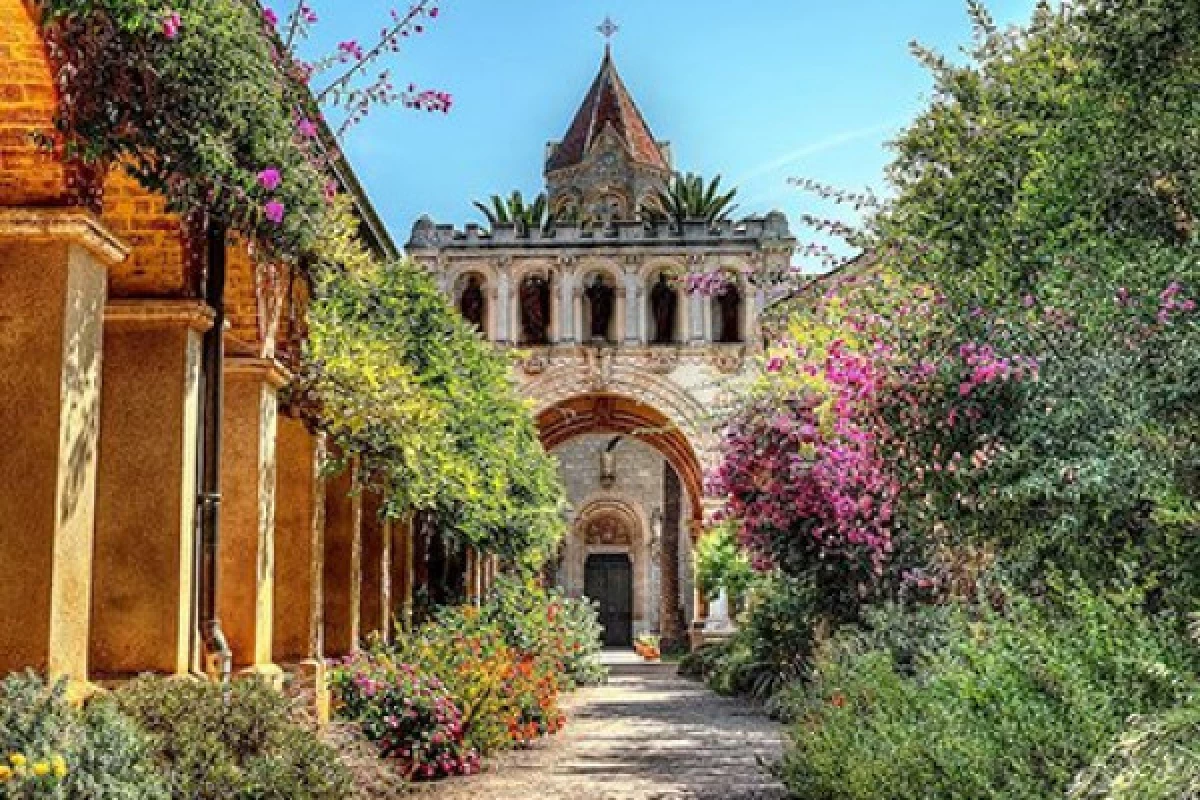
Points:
[(246, 589), (144, 570), (343, 559), (299, 543), (375, 597), (52, 295)]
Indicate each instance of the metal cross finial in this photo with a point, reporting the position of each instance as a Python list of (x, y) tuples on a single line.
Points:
[(608, 29)]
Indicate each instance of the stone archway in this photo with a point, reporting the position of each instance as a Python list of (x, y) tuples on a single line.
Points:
[(609, 413), (679, 504)]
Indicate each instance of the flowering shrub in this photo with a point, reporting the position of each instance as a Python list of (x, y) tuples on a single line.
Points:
[(472, 681), (865, 401), (413, 718), (50, 748)]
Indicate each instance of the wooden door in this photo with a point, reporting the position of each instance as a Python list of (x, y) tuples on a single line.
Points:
[(608, 581)]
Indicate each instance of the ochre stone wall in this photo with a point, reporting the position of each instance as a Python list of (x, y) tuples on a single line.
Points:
[(28, 103)]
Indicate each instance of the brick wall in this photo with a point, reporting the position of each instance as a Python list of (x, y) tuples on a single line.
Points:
[(28, 103), (156, 265)]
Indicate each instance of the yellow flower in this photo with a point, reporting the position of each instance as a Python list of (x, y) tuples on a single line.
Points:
[(17, 760), (6, 773), (41, 769), (59, 764)]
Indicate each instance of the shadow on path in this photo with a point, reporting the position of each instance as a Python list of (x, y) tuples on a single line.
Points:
[(647, 735)]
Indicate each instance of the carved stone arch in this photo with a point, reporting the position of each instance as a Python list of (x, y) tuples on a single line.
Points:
[(609, 523), (687, 447)]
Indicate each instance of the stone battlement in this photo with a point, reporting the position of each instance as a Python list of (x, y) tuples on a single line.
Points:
[(426, 234)]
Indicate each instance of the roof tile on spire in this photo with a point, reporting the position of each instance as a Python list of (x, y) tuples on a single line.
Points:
[(608, 102)]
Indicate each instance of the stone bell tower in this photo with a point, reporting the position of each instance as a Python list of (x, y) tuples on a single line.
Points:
[(609, 162)]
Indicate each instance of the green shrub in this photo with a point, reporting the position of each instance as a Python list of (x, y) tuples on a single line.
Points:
[(90, 753), (770, 648), (1158, 758), (992, 705), (217, 742), (548, 623)]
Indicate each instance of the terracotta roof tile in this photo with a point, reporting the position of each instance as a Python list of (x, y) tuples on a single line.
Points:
[(608, 102)]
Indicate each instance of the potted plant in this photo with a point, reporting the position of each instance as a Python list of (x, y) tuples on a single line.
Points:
[(646, 645)]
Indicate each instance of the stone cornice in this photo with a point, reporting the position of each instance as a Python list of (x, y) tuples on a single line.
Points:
[(75, 225), (270, 370), (159, 313)]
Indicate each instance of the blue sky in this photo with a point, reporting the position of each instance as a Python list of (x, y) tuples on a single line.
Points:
[(757, 91)]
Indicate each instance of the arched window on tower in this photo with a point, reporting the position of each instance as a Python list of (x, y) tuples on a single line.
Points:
[(664, 310), (472, 301), (599, 309), (535, 309), (727, 314)]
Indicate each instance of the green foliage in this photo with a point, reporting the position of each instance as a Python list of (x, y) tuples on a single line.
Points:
[(1011, 704), (409, 387), (1158, 758), (103, 754), (196, 117), (538, 620), (688, 199), (236, 741), (721, 564), (771, 646), (514, 210)]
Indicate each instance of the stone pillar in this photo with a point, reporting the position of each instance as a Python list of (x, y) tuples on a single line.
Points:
[(577, 307), (144, 570), (246, 559), (503, 309), (375, 596), (52, 293), (299, 543), (343, 561), (633, 309), (491, 315), (697, 312), (566, 304)]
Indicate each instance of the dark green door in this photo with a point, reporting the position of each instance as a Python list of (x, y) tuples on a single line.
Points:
[(608, 581)]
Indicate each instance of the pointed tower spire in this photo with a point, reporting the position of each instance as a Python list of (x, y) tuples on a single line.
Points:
[(607, 106)]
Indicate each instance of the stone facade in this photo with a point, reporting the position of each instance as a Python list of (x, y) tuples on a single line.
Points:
[(586, 384)]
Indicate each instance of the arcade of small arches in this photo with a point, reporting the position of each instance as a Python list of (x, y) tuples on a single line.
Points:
[(544, 306)]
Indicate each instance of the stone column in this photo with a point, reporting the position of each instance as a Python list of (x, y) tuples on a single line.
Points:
[(52, 293), (375, 595), (343, 561), (492, 315), (503, 309), (246, 588), (577, 307), (622, 315), (697, 303), (566, 304), (144, 568), (633, 309), (299, 543)]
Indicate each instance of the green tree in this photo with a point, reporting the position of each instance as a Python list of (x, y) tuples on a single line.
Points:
[(687, 198), (513, 210)]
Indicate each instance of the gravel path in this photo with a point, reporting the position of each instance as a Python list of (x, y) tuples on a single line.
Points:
[(646, 735)]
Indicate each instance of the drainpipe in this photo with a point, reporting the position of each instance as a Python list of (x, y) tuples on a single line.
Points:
[(217, 657)]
